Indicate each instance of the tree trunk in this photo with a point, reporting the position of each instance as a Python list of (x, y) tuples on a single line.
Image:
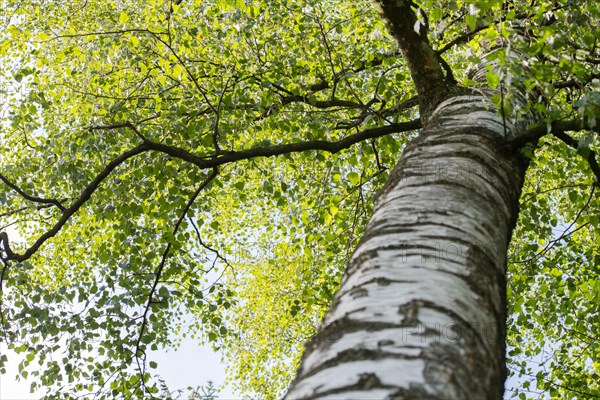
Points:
[(421, 308), (421, 311)]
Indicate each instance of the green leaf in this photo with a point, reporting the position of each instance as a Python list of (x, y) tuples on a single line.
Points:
[(123, 17), (255, 257), (164, 292), (471, 21), (354, 178), (134, 40), (492, 79)]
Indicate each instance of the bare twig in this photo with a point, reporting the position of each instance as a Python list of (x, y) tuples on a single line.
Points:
[(218, 255)]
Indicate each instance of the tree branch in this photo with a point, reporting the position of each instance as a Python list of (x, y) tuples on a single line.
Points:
[(122, 125), (68, 212), (203, 163), (275, 150), (321, 103), (575, 83), (422, 60), (218, 255), (5, 248), (2, 318), (590, 157), (29, 197), (163, 260), (536, 131), (324, 84), (460, 39), (560, 129)]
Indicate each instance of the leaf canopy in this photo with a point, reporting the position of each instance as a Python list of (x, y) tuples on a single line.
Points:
[(216, 161)]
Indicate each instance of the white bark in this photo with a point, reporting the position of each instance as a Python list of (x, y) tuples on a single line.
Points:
[(421, 309)]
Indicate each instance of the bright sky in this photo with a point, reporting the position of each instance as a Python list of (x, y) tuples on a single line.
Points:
[(190, 365)]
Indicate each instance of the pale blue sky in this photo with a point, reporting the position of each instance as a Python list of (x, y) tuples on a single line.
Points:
[(190, 365)]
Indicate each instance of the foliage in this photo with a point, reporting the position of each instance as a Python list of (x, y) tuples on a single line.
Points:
[(554, 277), (155, 124), (208, 392)]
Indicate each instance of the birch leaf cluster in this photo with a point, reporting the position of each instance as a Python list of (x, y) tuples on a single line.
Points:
[(184, 168)]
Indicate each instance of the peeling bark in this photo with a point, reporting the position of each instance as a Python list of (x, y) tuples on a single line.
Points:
[(421, 309)]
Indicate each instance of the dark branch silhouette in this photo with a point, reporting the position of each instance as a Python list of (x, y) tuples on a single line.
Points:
[(560, 129), (160, 268), (29, 197), (224, 157)]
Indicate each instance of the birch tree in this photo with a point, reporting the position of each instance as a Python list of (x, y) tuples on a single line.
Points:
[(410, 186)]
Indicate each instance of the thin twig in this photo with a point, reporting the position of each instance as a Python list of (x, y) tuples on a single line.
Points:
[(161, 266)]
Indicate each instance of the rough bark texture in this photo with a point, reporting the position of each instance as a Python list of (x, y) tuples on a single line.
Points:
[(421, 309), (411, 36), (422, 61), (421, 312)]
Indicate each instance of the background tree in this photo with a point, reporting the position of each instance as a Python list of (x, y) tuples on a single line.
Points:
[(138, 167)]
